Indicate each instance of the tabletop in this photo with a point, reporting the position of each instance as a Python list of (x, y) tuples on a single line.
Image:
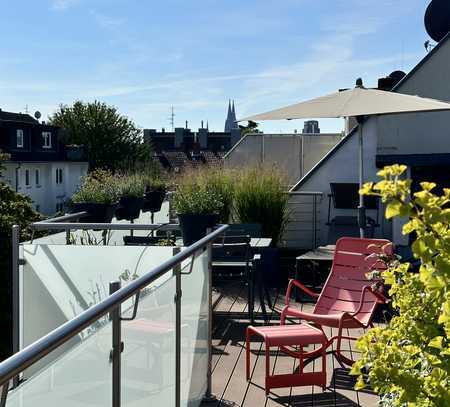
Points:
[(260, 242), (324, 253)]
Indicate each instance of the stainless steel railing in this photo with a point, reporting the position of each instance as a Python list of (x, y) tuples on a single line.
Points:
[(16, 364), (303, 227)]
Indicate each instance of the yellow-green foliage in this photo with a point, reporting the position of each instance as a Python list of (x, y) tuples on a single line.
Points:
[(408, 361)]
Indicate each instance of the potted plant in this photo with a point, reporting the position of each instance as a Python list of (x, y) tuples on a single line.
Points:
[(155, 192), (197, 208), (132, 197), (260, 197), (98, 195)]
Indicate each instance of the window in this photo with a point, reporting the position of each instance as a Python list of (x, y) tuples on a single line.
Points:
[(19, 138), (27, 178), (37, 176), (59, 176), (47, 139)]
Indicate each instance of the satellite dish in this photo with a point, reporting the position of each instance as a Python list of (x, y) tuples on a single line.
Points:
[(397, 76), (37, 114), (437, 19)]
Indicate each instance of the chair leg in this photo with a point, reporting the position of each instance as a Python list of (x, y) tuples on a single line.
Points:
[(251, 300), (269, 301), (261, 300), (247, 354)]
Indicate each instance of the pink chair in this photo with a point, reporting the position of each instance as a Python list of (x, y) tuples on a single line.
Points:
[(347, 300)]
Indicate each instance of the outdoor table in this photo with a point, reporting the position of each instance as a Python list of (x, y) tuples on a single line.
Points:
[(257, 246), (323, 254)]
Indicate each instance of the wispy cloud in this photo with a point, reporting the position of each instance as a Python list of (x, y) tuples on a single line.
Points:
[(106, 21), (62, 5)]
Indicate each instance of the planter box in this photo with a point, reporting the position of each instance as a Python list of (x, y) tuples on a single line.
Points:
[(98, 212), (153, 200), (130, 207), (193, 226)]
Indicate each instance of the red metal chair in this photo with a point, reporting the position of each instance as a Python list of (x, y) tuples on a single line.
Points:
[(348, 299)]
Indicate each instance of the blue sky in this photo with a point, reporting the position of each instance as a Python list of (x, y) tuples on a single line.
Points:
[(144, 56)]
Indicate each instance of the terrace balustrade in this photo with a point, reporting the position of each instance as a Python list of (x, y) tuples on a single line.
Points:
[(108, 325)]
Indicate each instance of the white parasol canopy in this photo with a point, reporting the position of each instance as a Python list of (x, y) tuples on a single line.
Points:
[(358, 102)]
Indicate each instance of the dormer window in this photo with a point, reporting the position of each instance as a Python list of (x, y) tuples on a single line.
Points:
[(19, 138), (47, 139)]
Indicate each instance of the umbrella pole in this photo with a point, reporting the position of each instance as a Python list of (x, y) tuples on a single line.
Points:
[(361, 208)]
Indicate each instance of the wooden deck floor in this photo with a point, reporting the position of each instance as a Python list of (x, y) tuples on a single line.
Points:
[(229, 383)]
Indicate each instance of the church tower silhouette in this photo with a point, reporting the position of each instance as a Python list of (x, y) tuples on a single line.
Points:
[(230, 122)]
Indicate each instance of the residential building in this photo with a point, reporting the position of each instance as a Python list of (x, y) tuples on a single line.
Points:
[(311, 127), (183, 147), (39, 165), (418, 140)]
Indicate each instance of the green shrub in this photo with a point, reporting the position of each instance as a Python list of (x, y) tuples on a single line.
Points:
[(408, 361), (260, 197), (14, 209), (196, 199), (217, 181), (132, 185), (99, 186), (193, 196)]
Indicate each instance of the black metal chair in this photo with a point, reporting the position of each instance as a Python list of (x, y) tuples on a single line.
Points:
[(232, 261)]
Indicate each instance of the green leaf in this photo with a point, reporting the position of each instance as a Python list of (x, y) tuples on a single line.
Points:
[(436, 342)]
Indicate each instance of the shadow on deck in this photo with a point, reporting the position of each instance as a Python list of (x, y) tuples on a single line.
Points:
[(229, 383)]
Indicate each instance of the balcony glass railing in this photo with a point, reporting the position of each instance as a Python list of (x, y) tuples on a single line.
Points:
[(146, 344)]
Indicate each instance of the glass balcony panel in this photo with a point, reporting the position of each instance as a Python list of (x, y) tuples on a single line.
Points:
[(81, 376), (194, 319), (59, 282), (148, 359)]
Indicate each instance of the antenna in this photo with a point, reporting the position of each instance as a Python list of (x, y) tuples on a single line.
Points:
[(172, 118), (26, 108)]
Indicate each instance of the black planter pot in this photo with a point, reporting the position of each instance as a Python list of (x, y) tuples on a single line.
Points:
[(98, 212), (129, 207), (153, 200), (193, 226)]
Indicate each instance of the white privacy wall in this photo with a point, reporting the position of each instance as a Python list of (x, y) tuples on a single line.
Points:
[(295, 154), (342, 166)]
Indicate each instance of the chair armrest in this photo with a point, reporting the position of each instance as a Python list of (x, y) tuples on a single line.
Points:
[(381, 299), (298, 284)]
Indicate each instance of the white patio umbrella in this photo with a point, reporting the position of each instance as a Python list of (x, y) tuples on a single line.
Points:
[(360, 103)]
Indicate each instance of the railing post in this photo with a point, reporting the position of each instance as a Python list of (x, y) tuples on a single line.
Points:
[(177, 299), (117, 347), (15, 241), (314, 222), (209, 397)]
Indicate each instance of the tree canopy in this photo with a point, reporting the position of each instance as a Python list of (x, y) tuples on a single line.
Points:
[(110, 139), (251, 128)]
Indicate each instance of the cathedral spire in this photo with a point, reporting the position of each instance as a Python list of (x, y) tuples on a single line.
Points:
[(230, 122)]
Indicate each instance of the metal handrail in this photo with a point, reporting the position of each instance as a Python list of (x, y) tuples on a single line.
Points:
[(18, 362), (314, 195), (305, 193)]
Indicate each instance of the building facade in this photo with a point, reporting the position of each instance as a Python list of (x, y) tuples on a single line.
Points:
[(40, 165), (184, 147)]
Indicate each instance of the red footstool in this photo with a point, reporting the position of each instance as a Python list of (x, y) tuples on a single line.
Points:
[(289, 335)]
